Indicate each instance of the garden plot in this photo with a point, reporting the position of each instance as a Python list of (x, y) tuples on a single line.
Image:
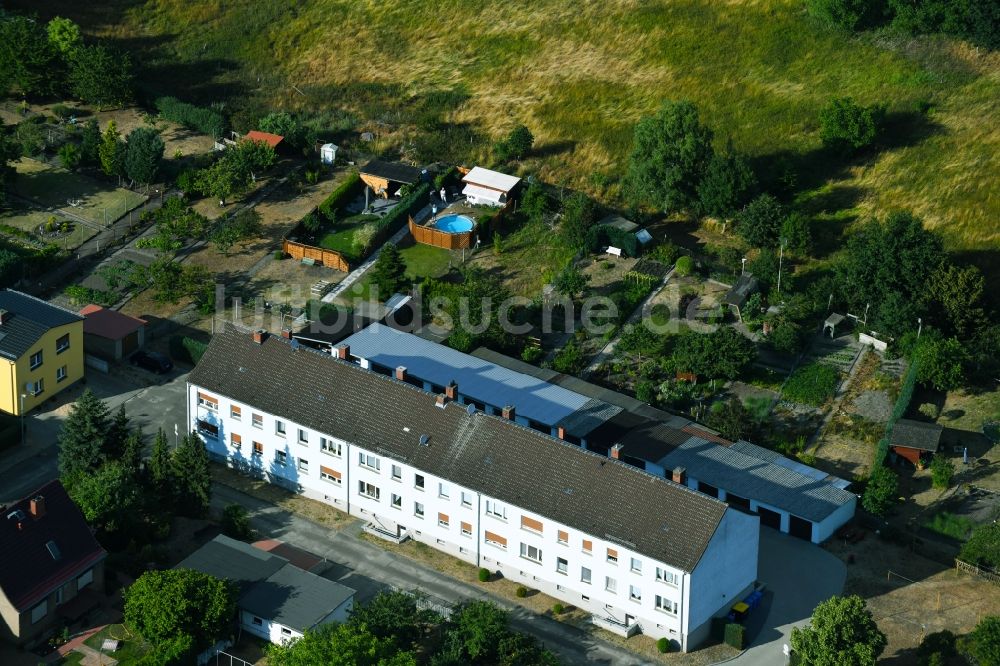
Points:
[(48, 227)]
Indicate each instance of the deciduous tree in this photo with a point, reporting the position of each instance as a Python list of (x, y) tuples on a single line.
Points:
[(759, 223), (726, 186), (842, 632), (101, 75), (957, 299), (339, 645), (941, 361), (162, 605), (535, 204), (846, 14), (64, 36), (27, 59), (881, 491), (984, 641), (240, 227), (846, 127), (579, 215), (143, 154)]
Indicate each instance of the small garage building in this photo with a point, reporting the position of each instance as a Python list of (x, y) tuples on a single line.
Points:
[(914, 440), (111, 335)]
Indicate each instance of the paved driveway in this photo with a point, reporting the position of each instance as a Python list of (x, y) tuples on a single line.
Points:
[(798, 575)]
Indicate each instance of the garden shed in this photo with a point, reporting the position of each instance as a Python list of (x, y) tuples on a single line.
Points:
[(273, 140), (385, 178), (914, 439), (485, 187), (328, 153), (741, 292)]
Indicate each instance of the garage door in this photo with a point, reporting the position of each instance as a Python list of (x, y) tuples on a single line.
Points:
[(801, 528), (769, 518), (707, 489), (738, 502), (130, 343)]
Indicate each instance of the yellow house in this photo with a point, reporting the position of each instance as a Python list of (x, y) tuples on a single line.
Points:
[(41, 351)]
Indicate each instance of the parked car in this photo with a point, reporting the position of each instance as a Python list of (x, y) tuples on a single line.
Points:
[(152, 361)]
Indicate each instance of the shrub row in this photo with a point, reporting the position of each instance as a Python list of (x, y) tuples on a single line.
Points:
[(339, 196), (399, 215), (902, 403), (206, 121), (189, 350)]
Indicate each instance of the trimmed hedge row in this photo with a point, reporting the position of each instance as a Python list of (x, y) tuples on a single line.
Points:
[(206, 121), (340, 195), (188, 350), (400, 215), (902, 403)]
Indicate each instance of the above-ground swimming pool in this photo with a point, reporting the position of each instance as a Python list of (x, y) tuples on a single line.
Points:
[(454, 224)]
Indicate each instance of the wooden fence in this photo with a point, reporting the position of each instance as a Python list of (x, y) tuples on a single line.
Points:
[(322, 256), (977, 571), (450, 241)]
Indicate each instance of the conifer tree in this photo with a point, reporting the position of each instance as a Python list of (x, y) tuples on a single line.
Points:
[(160, 473), (81, 441), (117, 435), (192, 478)]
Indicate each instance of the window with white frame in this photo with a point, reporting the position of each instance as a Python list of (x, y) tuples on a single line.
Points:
[(495, 540), (668, 577), (443, 519), (208, 429), (466, 529), (443, 490), (562, 566), (612, 556), (585, 575), (530, 552), (368, 460), (285, 631), (418, 509), (331, 475), (418, 481), (330, 446), (235, 413), (60, 373), (39, 611), (397, 473), (258, 449), (281, 457), (466, 499), (279, 428), (257, 421), (84, 579), (666, 605), (610, 584), (634, 593), (36, 388), (368, 490), (208, 401), (36, 359), (303, 465), (235, 440), (62, 344), (636, 565), (397, 501), (496, 509), (303, 436)]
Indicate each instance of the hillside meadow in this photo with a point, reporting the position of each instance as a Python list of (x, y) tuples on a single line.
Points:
[(580, 74)]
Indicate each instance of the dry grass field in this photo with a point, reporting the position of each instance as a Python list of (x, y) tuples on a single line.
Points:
[(580, 74)]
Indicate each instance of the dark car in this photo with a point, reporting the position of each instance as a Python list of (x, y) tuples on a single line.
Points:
[(152, 361)]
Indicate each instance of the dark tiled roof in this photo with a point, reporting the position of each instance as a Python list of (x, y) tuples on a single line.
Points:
[(741, 292), (393, 171), (110, 324), (28, 570), (28, 320), (916, 435), (228, 558), (604, 498)]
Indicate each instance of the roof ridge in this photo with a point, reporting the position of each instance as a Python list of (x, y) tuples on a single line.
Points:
[(43, 302)]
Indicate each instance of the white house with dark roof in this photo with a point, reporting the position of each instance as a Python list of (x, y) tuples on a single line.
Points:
[(639, 552), (486, 187)]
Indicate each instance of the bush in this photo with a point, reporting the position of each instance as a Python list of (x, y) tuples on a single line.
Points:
[(663, 646), (340, 196), (188, 350), (484, 574), (521, 592), (812, 384), (532, 354), (983, 546), (735, 635), (558, 609), (942, 470), (279, 255), (684, 266), (62, 111), (846, 126), (880, 493), (236, 522), (846, 14), (206, 121)]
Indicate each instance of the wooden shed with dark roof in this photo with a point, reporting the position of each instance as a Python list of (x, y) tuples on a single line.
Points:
[(914, 440), (385, 178)]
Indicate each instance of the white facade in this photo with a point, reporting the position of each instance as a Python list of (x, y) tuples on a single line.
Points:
[(604, 577), (275, 632)]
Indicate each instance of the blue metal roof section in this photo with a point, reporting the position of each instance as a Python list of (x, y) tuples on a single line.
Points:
[(481, 380)]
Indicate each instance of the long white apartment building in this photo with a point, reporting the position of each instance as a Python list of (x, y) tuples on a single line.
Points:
[(639, 552)]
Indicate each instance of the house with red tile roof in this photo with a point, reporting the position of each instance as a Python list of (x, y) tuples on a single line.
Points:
[(51, 566)]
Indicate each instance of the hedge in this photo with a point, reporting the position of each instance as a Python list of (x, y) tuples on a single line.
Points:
[(206, 121), (340, 195), (189, 350), (902, 404), (400, 215), (735, 635)]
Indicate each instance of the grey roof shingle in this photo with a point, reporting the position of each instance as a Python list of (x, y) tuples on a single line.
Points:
[(392, 171), (234, 560), (753, 477), (481, 380), (516, 465), (28, 320), (916, 435)]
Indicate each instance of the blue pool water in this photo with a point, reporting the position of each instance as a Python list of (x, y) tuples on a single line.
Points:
[(454, 224)]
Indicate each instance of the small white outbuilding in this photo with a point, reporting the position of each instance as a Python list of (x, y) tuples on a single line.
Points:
[(488, 188), (328, 153)]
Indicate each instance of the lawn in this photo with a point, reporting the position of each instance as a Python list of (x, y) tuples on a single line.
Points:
[(581, 74), (950, 525), (342, 237), (53, 187), (30, 220), (425, 261), (133, 647)]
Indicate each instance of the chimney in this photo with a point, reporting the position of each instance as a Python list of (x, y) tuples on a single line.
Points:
[(508, 412), (286, 333), (561, 432), (4, 316), (259, 336), (37, 507), (344, 352), (401, 373), (616, 451), (679, 475), (451, 390), (441, 400)]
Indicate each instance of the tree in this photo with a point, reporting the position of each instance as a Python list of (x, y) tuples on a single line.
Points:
[(842, 632), (349, 644), (480, 626), (983, 546), (522, 650), (101, 76), (192, 477), (110, 497), (846, 14), (160, 471), (846, 126), (759, 223), (117, 435), (535, 204), (220, 181), (69, 156), (90, 142), (670, 155), (730, 418), (235, 522), (724, 353), (30, 137), (81, 440), (941, 361), (516, 145), (143, 154), (64, 36), (289, 126), (956, 299), (111, 151), (162, 605), (942, 470), (984, 362), (240, 227), (394, 615), (983, 644), (880, 493), (726, 186), (249, 158), (579, 215), (388, 273), (570, 281), (27, 59), (795, 229)]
